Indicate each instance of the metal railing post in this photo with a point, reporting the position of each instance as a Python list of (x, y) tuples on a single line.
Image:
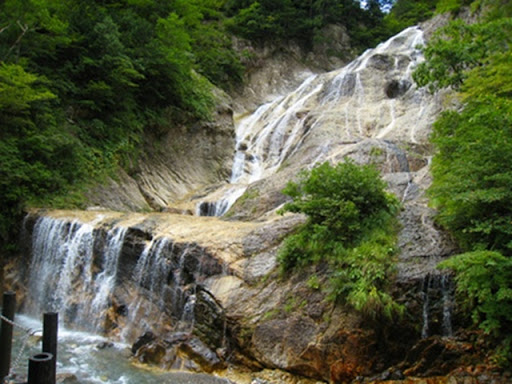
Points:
[(6, 330), (40, 369), (50, 329)]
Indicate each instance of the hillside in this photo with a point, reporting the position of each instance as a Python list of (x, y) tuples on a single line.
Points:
[(301, 276)]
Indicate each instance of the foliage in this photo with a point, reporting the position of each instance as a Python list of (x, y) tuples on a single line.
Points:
[(303, 20), (452, 6), (472, 172), (408, 12), (36, 156), (351, 225), (460, 47), (80, 82), (484, 287), (472, 175)]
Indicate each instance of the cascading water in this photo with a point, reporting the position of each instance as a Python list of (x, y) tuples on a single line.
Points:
[(107, 277), (345, 98), (438, 298), (63, 275), (76, 270), (159, 276), (76, 267), (150, 275)]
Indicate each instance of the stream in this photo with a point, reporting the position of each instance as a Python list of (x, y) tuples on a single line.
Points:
[(80, 356)]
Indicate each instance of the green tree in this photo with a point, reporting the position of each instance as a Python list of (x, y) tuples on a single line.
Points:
[(81, 81), (458, 48), (36, 157), (405, 13), (302, 21), (471, 172)]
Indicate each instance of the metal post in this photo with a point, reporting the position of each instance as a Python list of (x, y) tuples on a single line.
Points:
[(40, 369), (50, 328), (8, 309)]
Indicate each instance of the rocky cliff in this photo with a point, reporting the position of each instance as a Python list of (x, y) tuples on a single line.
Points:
[(204, 293)]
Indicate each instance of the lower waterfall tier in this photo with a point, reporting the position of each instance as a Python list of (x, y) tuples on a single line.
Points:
[(201, 294)]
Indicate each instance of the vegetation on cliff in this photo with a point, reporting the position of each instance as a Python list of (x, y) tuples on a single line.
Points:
[(472, 168), (303, 20), (352, 226), (81, 82)]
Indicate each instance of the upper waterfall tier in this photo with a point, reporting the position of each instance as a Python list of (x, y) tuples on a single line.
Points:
[(373, 97)]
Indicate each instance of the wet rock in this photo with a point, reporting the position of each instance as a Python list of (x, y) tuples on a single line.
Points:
[(152, 353), (146, 338), (390, 374), (396, 88), (199, 352), (434, 356), (280, 343), (344, 371), (209, 319), (176, 338), (104, 345), (259, 381), (381, 62), (66, 378), (422, 244)]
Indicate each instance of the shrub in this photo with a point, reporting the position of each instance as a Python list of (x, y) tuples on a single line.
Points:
[(352, 226), (484, 287)]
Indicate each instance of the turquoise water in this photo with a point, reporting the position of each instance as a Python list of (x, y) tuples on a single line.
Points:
[(79, 355)]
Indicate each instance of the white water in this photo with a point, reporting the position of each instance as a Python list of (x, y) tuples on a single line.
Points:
[(105, 282), (275, 131), (438, 296), (69, 278), (80, 354), (62, 272), (150, 275), (66, 276)]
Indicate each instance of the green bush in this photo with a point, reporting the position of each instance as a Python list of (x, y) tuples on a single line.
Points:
[(352, 226), (472, 171), (484, 287)]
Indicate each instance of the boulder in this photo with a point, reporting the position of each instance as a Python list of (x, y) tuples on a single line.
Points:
[(199, 352), (143, 340)]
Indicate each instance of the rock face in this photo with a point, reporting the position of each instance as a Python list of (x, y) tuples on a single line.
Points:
[(198, 293), (274, 70), (166, 171)]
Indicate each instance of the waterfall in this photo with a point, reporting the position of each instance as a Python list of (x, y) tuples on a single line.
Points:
[(63, 274), (106, 279), (221, 206), (150, 275), (352, 97), (438, 297), (79, 269)]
